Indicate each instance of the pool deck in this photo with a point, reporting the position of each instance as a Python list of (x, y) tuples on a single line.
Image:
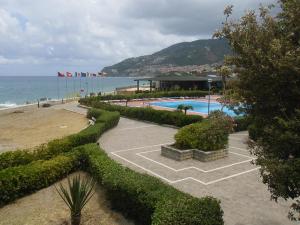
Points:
[(147, 103), (233, 180)]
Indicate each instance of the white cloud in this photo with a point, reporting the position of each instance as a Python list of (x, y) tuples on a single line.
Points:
[(88, 34)]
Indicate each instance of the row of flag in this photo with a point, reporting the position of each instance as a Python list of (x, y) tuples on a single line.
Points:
[(81, 74)]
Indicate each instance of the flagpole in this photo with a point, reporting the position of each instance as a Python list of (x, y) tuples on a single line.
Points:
[(98, 84), (87, 86), (73, 86), (57, 87), (66, 87)]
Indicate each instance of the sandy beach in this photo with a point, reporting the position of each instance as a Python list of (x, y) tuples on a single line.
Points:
[(29, 126)]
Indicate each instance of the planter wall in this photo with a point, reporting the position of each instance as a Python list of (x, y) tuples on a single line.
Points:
[(180, 155), (209, 156), (173, 153)]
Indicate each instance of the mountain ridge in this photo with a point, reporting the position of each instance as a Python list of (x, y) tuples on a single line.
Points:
[(196, 55)]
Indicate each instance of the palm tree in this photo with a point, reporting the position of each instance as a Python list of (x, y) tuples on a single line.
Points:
[(79, 192), (184, 107)]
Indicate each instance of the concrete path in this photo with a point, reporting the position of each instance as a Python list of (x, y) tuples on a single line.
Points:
[(234, 180)]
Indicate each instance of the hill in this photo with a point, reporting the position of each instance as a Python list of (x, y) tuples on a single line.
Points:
[(186, 56)]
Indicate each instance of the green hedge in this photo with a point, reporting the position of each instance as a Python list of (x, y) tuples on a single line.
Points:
[(187, 210), (156, 94), (174, 118), (209, 135), (146, 199), (18, 181), (105, 120)]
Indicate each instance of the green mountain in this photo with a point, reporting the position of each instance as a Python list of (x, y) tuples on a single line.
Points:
[(184, 57)]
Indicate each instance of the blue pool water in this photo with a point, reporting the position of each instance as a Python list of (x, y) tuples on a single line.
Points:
[(198, 106)]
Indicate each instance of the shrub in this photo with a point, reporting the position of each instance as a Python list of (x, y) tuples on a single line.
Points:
[(209, 135), (46, 105), (157, 116), (143, 197), (76, 196), (105, 121), (242, 123), (21, 180)]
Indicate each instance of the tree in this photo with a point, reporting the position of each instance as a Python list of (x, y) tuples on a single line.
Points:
[(224, 72), (185, 108), (267, 63)]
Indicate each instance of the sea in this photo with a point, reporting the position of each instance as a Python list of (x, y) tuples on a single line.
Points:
[(21, 90)]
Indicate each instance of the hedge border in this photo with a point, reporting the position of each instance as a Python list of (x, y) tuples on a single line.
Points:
[(173, 118), (144, 198)]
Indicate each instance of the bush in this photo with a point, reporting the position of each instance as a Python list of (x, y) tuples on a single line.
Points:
[(143, 197), (46, 105), (105, 120), (177, 119), (242, 123), (21, 180), (209, 135)]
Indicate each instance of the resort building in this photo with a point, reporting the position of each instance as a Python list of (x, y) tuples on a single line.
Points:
[(191, 82)]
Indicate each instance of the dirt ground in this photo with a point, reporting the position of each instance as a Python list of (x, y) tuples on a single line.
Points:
[(45, 207), (30, 126)]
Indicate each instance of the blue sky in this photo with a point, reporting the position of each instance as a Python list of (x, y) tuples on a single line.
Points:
[(43, 37)]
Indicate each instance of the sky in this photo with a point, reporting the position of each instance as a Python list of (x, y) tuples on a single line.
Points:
[(41, 37)]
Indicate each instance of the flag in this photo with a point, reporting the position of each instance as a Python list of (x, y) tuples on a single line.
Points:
[(59, 74), (69, 74), (83, 74)]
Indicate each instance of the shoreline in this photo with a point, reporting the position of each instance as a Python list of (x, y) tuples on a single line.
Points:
[(54, 102)]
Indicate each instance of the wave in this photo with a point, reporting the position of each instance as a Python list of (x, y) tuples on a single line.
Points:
[(8, 105)]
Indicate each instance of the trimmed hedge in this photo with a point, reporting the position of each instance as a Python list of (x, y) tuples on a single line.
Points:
[(157, 94), (18, 181), (174, 118), (146, 199), (209, 135), (187, 210), (105, 120)]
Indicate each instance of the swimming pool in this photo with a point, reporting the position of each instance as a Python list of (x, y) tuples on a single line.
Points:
[(200, 107)]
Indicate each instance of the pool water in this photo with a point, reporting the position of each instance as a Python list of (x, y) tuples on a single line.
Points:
[(200, 107)]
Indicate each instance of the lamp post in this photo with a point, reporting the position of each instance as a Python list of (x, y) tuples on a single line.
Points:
[(209, 83)]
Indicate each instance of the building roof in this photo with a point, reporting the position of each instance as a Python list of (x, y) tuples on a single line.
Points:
[(181, 78)]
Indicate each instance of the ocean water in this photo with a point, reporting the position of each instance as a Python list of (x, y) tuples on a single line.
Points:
[(21, 90)]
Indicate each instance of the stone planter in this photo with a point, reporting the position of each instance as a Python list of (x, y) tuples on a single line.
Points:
[(209, 156), (176, 154), (180, 155)]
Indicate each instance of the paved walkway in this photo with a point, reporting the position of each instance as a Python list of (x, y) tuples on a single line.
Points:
[(234, 180)]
